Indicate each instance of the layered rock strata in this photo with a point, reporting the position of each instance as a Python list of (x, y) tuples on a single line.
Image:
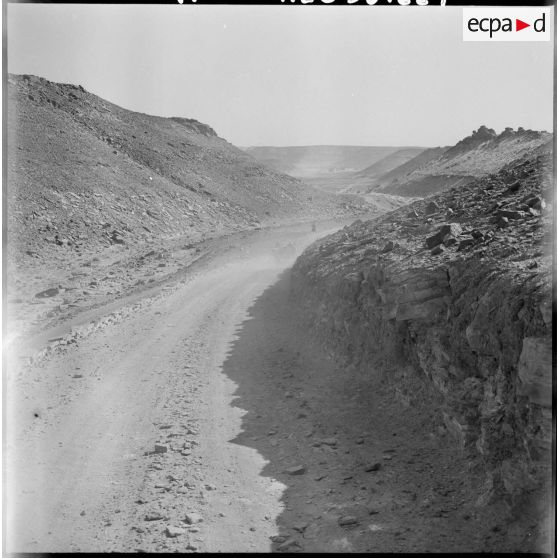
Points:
[(456, 289)]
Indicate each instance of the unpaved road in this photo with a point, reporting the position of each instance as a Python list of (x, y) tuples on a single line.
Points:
[(204, 418), (83, 426)]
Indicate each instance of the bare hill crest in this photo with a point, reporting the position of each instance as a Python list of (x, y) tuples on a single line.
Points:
[(482, 153)]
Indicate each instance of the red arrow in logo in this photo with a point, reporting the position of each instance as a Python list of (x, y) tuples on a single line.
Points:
[(519, 25)]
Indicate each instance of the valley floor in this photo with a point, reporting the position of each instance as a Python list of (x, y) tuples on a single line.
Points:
[(204, 419)]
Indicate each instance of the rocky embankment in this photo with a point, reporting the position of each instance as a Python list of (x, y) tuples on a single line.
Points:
[(455, 289)]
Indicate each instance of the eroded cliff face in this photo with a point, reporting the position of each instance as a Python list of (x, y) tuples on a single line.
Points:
[(456, 290)]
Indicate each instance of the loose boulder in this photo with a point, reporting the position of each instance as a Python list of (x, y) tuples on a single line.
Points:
[(447, 230), (47, 293)]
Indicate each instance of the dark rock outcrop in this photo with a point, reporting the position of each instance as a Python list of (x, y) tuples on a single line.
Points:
[(474, 321)]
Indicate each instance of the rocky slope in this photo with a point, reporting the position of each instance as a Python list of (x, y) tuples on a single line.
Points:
[(482, 153), (386, 165), (455, 291), (85, 173), (397, 173), (102, 200)]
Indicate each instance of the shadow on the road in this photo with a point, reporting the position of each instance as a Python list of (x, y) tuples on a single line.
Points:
[(261, 360), (320, 426), (364, 470)]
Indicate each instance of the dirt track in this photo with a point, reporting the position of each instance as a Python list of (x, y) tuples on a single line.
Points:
[(83, 426), (212, 371)]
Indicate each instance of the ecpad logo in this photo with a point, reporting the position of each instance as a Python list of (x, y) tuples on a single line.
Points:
[(506, 24), (495, 24)]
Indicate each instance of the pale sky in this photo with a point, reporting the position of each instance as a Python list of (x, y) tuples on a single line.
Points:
[(291, 74)]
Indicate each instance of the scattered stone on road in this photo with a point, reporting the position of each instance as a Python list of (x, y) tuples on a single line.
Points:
[(297, 470), (288, 545), (346, 520), (173, 532), (47, 293), (153, 516), (192, 518), (300, 527)]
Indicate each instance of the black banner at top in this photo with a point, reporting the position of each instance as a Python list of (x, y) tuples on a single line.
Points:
[(399, 3)]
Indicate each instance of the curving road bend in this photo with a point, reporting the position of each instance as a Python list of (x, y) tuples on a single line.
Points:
[(122, 441)]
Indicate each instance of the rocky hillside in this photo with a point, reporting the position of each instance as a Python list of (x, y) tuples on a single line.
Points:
[(378, 182), (389, 163), (455, 291), (320, 160), (84, 174), (482, 153)]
